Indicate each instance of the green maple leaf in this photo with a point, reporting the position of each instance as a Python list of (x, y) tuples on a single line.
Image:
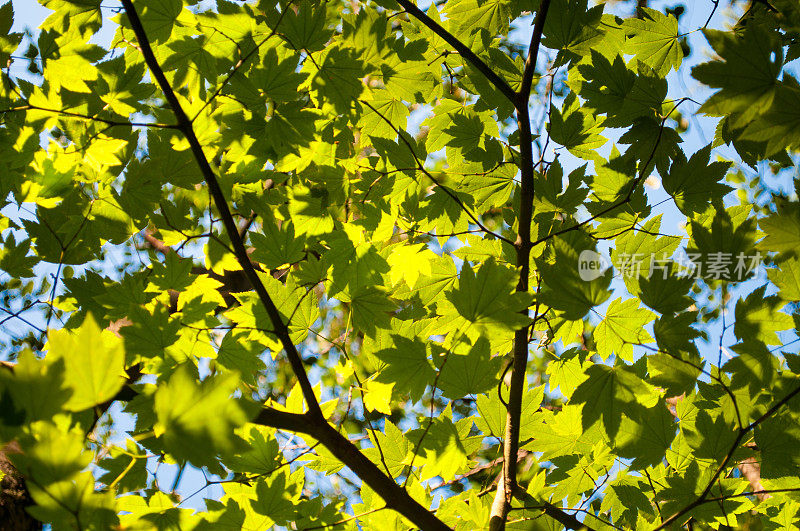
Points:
[(637, 253), (262, 455), (372, 121), (673, 373), (237, 353), (203, 412), (83, 17), (277, 246), (276, 75), (666, 293), (614, 179), (407, 366), (75, 503), (787, 278), (779, 126), (308, 208), (567, 372), (407, 75), (553, 196), (440, 281), (94, 362), (726, 238), (654, 40), (754, 366), (759, 317), (782, 230), (35, 386), (446, 446), (645, 435), (747, 74), (626, 500), (776, 440), (119, 85), (15, 259), (650, 140), (710, 436), (150, 333), (8, 40), (159, 18), (562, 286), (675, 334), (694, 183), (371, 308), (621, 328), (485, 303), (456, 126), (493, 413), (607, 393), (575, 128), (572, 28), (117, 466), (561, 434), (471, 15), (334, 75), (395, 449), (192, 57), (305, 27), (468, 370)]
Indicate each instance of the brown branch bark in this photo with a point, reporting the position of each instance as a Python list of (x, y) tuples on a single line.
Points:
[(506, 487), (14, 496), (523, 243), (750, 468), (185, 126), (395, 496), (312, 422), (463, 50), (703, 497), (522, 454)]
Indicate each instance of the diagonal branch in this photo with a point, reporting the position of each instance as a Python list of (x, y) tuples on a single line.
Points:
[(463, 50), (703, 497), (631, 189), (428, 174), (92, 118), (345, 451), (185, 126), (312, 422)]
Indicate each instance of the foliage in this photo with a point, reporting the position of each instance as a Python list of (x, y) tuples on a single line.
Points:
[(346, 259)]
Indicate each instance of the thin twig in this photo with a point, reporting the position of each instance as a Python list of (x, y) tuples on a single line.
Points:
[(499, 83)]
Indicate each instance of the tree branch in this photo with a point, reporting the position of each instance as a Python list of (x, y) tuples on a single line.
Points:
[(69, 114), (533, 52), (508, 485), (750, 468), (634, 184), (463, 50), (429, 175), (312, 422), (185, 126), (703, 497), (345, 451)]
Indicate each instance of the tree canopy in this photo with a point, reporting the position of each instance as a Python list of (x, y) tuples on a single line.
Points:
[(369, 264)]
